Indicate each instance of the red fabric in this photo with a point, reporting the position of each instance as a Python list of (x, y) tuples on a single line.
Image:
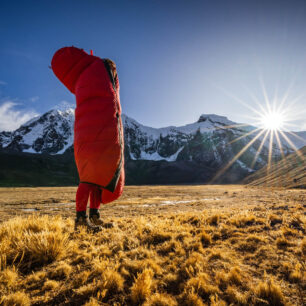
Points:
[(98, 133), (95, 197), (84, 192)]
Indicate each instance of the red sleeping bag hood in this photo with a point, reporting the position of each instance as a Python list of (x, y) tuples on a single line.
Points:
[(98, 133)]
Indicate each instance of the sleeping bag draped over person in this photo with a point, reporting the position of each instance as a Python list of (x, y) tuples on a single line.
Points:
[(98, 133)]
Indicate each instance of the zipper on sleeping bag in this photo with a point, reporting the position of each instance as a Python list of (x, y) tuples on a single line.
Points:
[(114, 181)]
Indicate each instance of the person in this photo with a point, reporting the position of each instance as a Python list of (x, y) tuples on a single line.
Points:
[(98, 131)]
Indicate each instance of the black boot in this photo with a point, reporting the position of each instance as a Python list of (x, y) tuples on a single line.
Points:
[(94, 217), (82, 220)]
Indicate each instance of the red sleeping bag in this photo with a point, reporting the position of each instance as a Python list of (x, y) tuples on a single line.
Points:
[(98, 133)]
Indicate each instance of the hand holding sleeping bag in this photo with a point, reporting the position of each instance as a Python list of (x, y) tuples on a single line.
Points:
[(98, 133)]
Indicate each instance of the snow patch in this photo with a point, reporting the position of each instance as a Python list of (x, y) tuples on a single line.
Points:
[(155, 156), (30, 209), (36, 132), (35, 118), (30, 150), (175, 202), (210, 199), (244, 166)]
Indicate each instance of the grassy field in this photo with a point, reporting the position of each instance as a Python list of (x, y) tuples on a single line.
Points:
[(170, 245)]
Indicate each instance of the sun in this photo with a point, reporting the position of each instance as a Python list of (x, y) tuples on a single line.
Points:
[(273, 121)]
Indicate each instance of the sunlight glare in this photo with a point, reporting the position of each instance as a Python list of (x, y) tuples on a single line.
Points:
[(272, 121)]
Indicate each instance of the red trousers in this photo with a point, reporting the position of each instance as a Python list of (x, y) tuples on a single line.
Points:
[(84, 192)]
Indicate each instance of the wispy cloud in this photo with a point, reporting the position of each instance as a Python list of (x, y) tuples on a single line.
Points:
[(3, 83), (34, 99), (11, 118)]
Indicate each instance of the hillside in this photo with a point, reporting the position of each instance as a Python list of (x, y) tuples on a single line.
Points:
[(40, 152), (289, 172), (169, 246), (26, 169)]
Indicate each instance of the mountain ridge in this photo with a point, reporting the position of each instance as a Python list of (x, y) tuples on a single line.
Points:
[(190, 153), (60, 123)]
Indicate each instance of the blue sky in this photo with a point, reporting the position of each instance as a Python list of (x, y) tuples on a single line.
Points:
[(176, 59)]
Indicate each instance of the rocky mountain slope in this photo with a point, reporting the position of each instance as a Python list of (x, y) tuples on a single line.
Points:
[(184, 154), (50, 133)]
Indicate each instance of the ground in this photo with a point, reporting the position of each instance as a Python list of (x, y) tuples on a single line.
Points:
[(169, 245)]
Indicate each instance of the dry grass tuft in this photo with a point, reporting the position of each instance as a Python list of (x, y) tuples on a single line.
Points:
[(235, 297), (33, 242), (298, 222), (8, 277), (44, 247), (282, 242), (36, 277), (141, 289), (215, 255), (190, 298), (61, 271), (213, 220), (215, 301), (112, 282), (50, 285), (205, 239), (303, 246), (243, 220), (296, 276), (250, 243), (92, 302), (270, 292), (161, 299), (234, 276), (16, 299), (192, 266), (201, 286), (273, 219), (156, 238)]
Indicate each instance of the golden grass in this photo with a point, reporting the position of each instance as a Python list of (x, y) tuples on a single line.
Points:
[(33, 241), (16, 299), (141, 288), (270, 292), (197, 255), (160, 299)]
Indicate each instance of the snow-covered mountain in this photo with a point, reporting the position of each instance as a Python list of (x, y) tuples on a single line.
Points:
[(50, 133), (192, 153), (148, 143), (212, 140)]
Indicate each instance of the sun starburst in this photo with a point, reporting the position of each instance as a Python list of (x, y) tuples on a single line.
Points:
[(274, 119)]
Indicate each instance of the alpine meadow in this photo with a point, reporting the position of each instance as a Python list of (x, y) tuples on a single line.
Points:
[(163, 245)]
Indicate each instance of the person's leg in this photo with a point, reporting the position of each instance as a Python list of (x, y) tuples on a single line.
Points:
[(95, 198), (95, 202), (82, 196)]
